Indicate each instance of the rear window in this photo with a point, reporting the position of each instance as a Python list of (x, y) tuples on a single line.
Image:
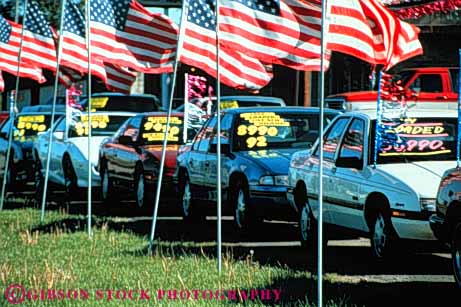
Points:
[(101, 124), (136, 104), (27, 127), (153, 130)]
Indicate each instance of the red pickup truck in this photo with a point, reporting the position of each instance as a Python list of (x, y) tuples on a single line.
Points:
[(424, 88)]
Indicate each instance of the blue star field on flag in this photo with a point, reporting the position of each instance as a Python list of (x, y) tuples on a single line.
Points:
[(5, 30), (112, 13), (36, 21)]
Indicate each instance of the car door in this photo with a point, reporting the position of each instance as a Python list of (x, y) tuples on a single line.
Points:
[(346, 209), (108, 150), (197, 163), (210, 179), (125, 156), (331, 144), (59, 147), (4, 144)]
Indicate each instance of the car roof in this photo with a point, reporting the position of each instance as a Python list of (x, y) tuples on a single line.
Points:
[(177, 114), (371, 114), (43, 108), (280, 109)]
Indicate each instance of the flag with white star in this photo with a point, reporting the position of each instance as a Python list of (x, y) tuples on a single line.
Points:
[(123, 32), (199, 50), (10, 37), (38, 45), (284, 32), (75, 55)]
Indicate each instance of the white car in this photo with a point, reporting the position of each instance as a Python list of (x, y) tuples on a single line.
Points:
[(391, 200), (69, 154)]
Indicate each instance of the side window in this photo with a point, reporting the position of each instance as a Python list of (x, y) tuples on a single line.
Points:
[(6, 127), (60, 125), (427, 83), (352, 145), (132, 128), (226, 125), (332, 138), (207, 132)]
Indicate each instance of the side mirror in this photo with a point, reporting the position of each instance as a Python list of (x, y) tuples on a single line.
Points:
[(349, 162), (225, 148), (59, 135), (125, 140)]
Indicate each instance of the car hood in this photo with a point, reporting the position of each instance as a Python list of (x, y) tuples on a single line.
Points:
[(423, 177), (171, 153), (82, 144), (357, 96), (276, 161)]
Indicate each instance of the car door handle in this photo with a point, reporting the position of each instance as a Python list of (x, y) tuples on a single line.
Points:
[(207, 163)]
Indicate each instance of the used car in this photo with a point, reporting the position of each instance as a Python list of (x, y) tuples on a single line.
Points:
[(130, 159), (256, 147), (446, 222), (391, 199)]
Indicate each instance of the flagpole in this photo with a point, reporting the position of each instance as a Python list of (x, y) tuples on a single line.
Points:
[(88, 43), (53, 111), (16, 13), (186, 108), (218, 145), (10, 130), (320, 183), (185, 7), (458, 149)]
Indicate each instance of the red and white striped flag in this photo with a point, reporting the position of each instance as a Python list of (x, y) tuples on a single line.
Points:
[(198, 49), (369, 31), (38, 46), (123, 32), (10, 37), (75, 54), (285, 32)]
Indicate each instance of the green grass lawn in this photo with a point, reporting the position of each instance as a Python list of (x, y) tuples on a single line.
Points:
[(59, 255)]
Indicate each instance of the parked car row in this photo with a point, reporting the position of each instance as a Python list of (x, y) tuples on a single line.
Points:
[(401, 186)]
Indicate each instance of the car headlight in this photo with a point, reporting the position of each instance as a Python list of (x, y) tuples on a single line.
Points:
[(274, 180), (427, 204)]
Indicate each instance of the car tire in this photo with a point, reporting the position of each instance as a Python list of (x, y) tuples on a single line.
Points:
[(70, 180), (456, 253), (189, 210), (382, 235), (11, 182), (140, 189), (107, 188), (307, 228), (244, 218), (39, 181)]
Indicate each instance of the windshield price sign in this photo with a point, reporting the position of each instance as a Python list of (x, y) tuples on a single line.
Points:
[(157, 125)]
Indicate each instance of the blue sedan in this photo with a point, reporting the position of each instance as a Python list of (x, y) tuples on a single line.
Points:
[(256, 146)]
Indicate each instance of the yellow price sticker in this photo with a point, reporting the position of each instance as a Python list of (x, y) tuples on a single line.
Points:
[(229, 104), (163, 120), (243, 130), (159, 136), (31, 119), (259, 141), (265, 119), (99, 102)]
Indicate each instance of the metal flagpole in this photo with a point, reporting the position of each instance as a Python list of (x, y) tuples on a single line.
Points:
[(218, 145), (53, 111), (16, 15), (320, 179), (10, 131), (88, 44), (459, 112), (186, 107), (185, 7), (378, 120)]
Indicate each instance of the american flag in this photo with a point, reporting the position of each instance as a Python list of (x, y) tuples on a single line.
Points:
[(367, 30), (199, 49), (285, 32), (38, 45), (10, 37), (75, 54), (123, 32)]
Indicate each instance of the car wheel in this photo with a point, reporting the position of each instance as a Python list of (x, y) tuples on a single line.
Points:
[(187, 202), (140, 188), (381, 236), (70, 179), (39, 181), (242, 212), (107, 190), (456, 254), (11, 177), (307, 228)]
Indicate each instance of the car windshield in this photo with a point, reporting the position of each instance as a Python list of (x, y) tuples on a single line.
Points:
[(416, 139), (102, 124), (267, 130), (153, 130), (137, 104), (235, 103), (28, 126)]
